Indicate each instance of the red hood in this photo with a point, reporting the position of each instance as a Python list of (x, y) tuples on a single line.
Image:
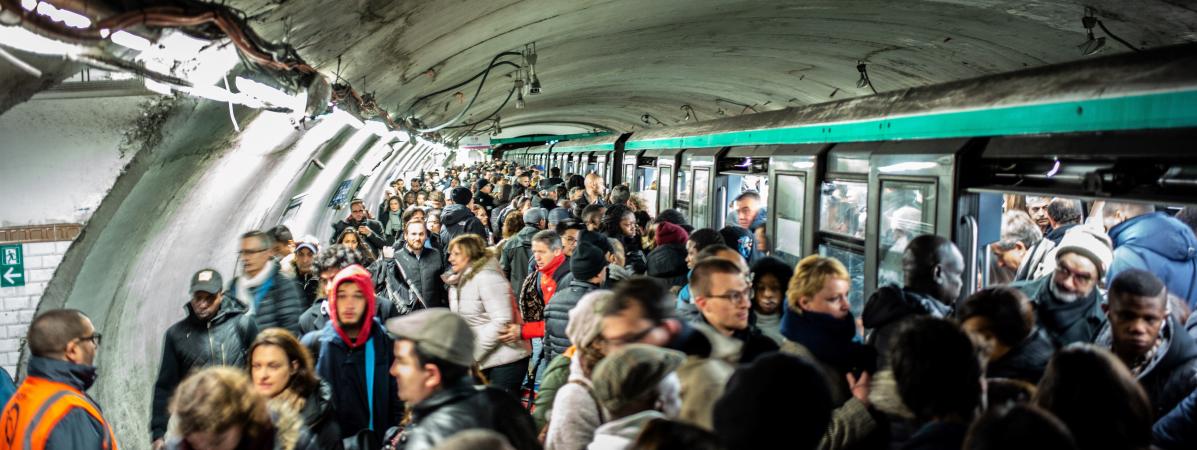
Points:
[(668, 233), (358, 275)]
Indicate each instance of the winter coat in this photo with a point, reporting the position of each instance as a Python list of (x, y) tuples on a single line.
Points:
[(308, 285), (484, 299), (77, 429), (615, 274), (376, 239), (320, 418), (462, 406), (192, 344), (852, 424), (1065, 323), (556, 316), (668, 263), (621, 433), (1025, 361), (1172, 372), (753, 342), (1162, 245), (576, 413), (555, 376), (1178, 429), (457, 220), (280, 306), (517, 252), (1040, 259), (887, 309)]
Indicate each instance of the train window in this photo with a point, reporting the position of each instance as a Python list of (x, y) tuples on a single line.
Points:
[(682, 201), (738, 184), (907, 211), (665, 187), (844, 208), (647, 187), (791, 206), (854, 261), (702, 198)]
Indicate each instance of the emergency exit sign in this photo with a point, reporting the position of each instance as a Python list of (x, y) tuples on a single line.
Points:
[(12, 266)]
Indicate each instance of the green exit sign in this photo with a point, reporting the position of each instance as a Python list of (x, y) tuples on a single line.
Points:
[(12, 266)]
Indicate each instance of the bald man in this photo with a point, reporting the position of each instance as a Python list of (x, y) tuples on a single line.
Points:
[(594, 189), (932, 267)]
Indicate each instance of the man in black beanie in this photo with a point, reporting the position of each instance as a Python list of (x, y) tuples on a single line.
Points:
[(776, 402), (457, 219), (482, 194), (588, 268)]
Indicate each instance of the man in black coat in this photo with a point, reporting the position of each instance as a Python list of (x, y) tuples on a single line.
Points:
[(273, 300), (933, 267), (416, 268), (1145, 336), (215, 332), (371, 230), (434, 349)]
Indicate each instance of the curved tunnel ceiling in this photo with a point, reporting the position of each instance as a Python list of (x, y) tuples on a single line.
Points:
[(606, 63)]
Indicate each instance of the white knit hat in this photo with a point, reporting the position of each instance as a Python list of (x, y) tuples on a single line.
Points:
[(1089, 242), (585, 320)]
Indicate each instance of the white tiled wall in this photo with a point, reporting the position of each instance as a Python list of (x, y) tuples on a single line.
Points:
[(17, 304)]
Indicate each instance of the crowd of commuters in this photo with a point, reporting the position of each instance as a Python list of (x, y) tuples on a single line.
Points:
[(498, 306)]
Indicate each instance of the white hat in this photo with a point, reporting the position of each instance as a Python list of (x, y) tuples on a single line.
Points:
[(1090, 243)]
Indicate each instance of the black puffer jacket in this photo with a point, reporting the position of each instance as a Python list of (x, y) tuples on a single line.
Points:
[(191, 344), (885, 311), (424, 272), (556, 316), (320, 418), (1026, 360), (668, 264), (464, 406), (280, 307), (457, 220)]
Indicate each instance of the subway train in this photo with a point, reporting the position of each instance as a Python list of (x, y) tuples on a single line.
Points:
[(854, 178)]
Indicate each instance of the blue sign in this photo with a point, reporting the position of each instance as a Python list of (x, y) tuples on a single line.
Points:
[(341, 195)]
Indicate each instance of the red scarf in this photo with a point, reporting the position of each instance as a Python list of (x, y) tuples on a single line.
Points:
[(548, 285)]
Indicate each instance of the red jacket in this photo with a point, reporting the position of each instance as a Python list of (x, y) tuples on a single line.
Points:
[(550, 277)]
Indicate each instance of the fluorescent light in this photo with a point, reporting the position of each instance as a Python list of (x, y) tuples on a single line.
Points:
[(377, 127), (28, 41), (68, 17), (29, 5), (1055, 170), (908, 166), (131, 41), (271, 96)]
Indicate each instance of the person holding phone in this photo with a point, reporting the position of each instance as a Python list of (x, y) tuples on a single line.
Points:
[(371, 230)]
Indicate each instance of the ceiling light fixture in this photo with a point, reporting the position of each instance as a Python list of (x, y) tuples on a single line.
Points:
[(530, 63), (689, 113), (1093, 44), (519, 93), (648, 119), (864, 76)]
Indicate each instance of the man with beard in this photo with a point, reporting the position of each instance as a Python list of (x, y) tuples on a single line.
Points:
[(1067, 302)]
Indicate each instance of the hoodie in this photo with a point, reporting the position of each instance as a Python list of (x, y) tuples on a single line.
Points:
[(357, 275), (1162, 245), (887, 308), (457, 220)]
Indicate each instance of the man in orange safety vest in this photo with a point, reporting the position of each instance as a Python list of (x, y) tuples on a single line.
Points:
[(50, 409)]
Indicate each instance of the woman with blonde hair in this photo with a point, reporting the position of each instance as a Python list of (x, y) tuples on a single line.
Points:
[(480, 293), (817, 324), (282, 370), (218, 409)]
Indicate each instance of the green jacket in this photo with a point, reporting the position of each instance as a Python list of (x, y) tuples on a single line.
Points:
[(555, 376)]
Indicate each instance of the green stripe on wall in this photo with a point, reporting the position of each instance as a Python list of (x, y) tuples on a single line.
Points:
[(585, 148), (1162, 110)]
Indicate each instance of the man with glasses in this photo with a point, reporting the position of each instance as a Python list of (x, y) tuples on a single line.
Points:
[(724, 299), (50, 409), (1067, 302), (215, 332), (370, 229), (273, 300)]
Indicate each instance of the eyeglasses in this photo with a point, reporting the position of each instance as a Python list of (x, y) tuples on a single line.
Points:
[(1065, 272), (630, 338), (735, 296), (252, 252), (94, 338)]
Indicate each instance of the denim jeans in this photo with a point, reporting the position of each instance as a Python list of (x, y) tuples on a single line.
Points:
[(537, 361), (508, 377)]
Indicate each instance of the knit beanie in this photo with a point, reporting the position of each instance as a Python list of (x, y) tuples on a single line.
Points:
[(668, 233), (461, 195), (1090, 243), (596, 239), (587, 261)]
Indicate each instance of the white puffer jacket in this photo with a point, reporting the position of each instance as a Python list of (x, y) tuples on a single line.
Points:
[(484, 299)]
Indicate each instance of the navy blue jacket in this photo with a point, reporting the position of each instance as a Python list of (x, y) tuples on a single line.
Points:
[(345, 370), (77, 429), (1178, 429), (1162, 245)]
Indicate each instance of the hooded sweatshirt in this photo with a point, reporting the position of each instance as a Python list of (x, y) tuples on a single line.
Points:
[(887, 308), (457, 220), (1162, 245)]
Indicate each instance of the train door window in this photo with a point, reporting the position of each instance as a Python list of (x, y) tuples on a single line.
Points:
[(702, 198), (844, 208), (682, 200), (629, 176), (907, 211), (791, 207), (853, 259), (647, 187), (664, 188), (736, 185)]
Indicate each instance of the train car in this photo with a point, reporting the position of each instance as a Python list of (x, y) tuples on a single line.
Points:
[(598, 154), (857, 178)]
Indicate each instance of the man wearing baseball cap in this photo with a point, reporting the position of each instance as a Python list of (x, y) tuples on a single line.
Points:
[(214, 332), (434, 350)]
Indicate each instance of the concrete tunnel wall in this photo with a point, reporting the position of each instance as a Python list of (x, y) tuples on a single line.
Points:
[(180, 206)]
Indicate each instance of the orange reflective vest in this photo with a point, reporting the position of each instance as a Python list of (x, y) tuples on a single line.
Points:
[(37, 407)]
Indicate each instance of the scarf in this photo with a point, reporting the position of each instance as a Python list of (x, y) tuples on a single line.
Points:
[(828, 338), (246, 284), (394, 222)]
